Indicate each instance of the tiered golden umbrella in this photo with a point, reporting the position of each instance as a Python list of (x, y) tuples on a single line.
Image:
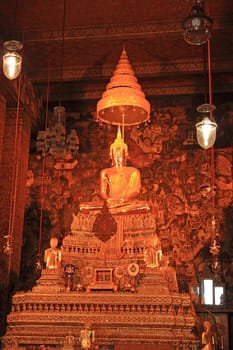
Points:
[(123, 102)]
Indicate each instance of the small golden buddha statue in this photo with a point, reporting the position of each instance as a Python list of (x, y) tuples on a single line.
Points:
[(153, 252), (207, 336), (119, 183), (87, 338), (52, 256)]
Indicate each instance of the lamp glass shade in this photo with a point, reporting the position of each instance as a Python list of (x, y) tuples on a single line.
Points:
[(12, 59), (197, 27), (197, 34), (206, 133)]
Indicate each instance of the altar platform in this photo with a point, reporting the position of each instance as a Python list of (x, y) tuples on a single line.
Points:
[(151, 317)]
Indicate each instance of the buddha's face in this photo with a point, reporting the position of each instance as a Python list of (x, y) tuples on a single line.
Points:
[(118, 157)]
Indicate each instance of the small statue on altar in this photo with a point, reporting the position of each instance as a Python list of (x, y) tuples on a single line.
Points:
[(207, 336), (52, 256), (87, 337), (153, 252)]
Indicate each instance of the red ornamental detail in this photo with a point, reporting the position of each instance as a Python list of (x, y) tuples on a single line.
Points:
[(104, 226)]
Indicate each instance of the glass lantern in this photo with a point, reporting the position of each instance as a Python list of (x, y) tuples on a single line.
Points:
[(12, 59), (206, 133)]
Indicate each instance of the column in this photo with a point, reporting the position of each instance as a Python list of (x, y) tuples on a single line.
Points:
[(2, 122), (13, 176), (15, 154)]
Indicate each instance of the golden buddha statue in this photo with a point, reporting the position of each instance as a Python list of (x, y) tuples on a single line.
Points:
[(207, 336), (153, 252), (119, 183), (52, 256), (87, 338)]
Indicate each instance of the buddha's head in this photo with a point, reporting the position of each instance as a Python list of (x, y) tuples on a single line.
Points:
[(119, 150), (207, 326), (53, 242)]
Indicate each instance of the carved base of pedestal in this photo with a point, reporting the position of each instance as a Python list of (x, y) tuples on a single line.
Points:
[(158, 281), (125, 318), (51, 281)]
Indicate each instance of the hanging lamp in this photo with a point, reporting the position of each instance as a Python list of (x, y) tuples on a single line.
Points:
[(12, 59), (123, 102), (197, 26), (207, 127), (55, 140), (12, 54)]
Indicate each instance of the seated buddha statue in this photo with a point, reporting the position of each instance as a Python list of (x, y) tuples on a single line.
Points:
[(119, 183)]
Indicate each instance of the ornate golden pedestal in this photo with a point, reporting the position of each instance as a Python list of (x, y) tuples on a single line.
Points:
[(117, 318), (128, 304)]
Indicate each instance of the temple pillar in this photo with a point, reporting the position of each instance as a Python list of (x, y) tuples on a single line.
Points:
[(17, 94), (14, 167), (2, 129), (14, 144), (2, 122), (3, 295)]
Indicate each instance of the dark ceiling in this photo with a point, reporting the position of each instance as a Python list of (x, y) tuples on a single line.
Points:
[(95, 33)]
